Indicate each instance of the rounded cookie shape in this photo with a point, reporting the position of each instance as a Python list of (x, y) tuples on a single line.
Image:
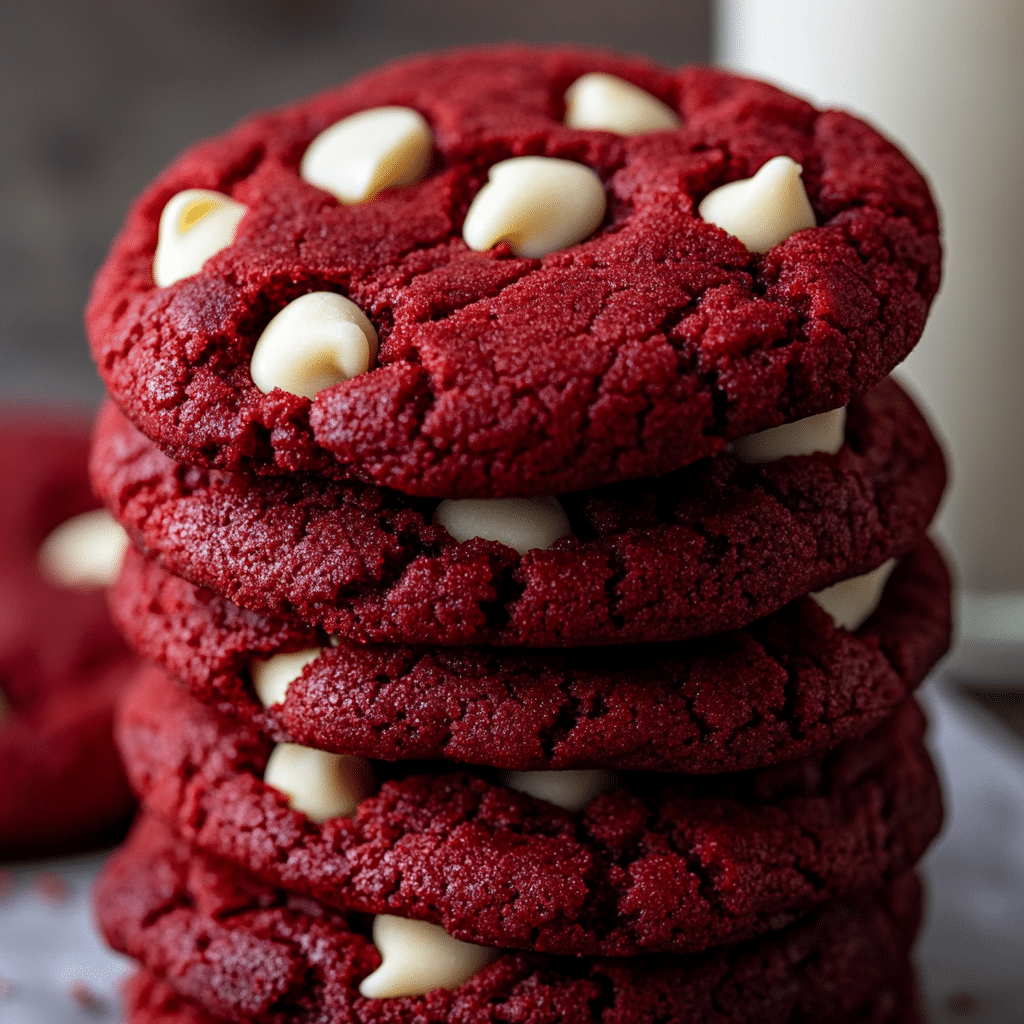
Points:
[(638, 350), (790, 684), (665, 862), (193, 921), (62, 663), (708, 548)]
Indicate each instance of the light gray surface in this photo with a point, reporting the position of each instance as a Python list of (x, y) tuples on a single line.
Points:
[(971, 952), (48, 944)]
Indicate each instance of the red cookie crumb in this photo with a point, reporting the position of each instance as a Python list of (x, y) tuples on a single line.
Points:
[(84, 995), (51, 886)]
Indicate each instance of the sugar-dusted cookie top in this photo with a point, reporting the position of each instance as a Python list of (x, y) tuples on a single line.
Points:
[(513, 272)]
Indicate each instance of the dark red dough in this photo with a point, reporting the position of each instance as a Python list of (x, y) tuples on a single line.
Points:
[(634, 353), (62, 663), (787, 685), (149, 1001), (673, 862), (710, 548), (247, 952)]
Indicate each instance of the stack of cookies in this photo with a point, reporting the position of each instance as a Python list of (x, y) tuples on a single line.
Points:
[(530, 551)]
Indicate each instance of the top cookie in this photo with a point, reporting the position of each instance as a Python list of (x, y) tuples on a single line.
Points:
[(510, 360)]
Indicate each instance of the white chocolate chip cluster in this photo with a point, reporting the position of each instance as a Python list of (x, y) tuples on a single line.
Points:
[(416, 956), (536, 205)]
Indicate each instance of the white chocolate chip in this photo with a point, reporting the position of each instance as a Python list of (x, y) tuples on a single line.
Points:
[(851, 602), (271, 678), (572, 789), (822, 433), (537, 204), (319, 784), (84, 552), (418, 957), (764, 210), (521, 523), (195, 225), (318, 340), (605, 103), (368, 152)]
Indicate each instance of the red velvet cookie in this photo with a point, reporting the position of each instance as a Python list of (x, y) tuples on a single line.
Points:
[(789, 684), (247, 952), (149, 1001), (62, 663), (152, 1001), (639, 350), (708, 548), (666, 862)]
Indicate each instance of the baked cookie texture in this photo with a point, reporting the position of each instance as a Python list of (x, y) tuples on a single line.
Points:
[(790, 684), (706, 549), (153, 1001), (62, 663), (665, 862), (763, 788), (248, 952), (149, 1001), (637, 351)]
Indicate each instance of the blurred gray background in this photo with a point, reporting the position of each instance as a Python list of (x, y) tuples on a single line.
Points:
[(98, 95)]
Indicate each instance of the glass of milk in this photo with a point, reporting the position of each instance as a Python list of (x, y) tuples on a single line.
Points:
[(945, 80)]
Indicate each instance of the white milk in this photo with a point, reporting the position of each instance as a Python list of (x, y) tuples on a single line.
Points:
[(945, 80)]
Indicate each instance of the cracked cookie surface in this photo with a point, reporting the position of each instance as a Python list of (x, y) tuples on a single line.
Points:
[(247, 952), (711, 547), (151, 1001), (666, 862), (637, 351), (787, 685)]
